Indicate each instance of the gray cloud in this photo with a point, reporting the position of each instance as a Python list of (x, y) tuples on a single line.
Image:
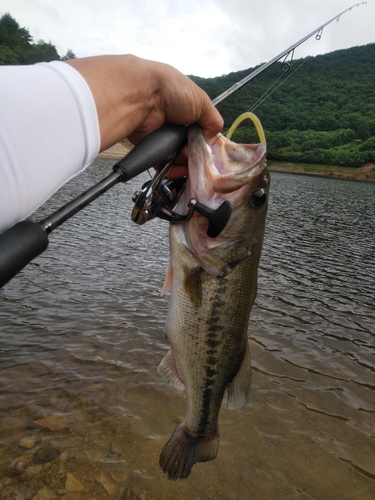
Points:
[(205, 37)]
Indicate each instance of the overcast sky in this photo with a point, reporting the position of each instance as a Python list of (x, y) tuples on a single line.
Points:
[(199, 37)]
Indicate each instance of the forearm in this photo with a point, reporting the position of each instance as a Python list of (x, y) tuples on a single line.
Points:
[(49, 133)]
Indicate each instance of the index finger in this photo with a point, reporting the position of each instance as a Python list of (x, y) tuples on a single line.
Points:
[(210, 120)]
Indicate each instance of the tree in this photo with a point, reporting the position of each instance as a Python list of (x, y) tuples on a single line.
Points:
[(14, 40), (16, 45), (69, 55), (42, 52), (8, 55)]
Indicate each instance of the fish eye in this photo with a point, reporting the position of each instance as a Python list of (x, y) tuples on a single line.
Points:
[(258, 198)]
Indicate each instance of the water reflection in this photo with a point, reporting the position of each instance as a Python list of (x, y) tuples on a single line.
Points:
[(82, 333)]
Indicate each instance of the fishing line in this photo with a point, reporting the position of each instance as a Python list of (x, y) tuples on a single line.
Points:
[(327, 37), (285, 75), (268, 94)]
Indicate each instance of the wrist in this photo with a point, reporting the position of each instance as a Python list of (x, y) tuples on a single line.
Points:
[(125, 90)]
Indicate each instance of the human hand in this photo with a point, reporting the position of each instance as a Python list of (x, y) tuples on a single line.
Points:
[(135, 96)]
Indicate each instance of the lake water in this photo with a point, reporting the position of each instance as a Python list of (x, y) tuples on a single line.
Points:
[(83, 412)]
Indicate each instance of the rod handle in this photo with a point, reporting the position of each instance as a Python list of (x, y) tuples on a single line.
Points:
[(19, 245), (151, 150)]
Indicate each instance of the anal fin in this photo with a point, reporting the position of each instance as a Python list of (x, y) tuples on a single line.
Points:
[(239, 389), (167, 369)]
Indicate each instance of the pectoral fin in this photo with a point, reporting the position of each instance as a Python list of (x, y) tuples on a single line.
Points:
[(238, 390), (167, 369), (168, 280)]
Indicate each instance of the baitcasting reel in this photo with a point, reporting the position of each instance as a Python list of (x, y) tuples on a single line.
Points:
[(159, 196)]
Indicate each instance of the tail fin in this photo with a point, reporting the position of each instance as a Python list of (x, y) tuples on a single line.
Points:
[(183, 450)]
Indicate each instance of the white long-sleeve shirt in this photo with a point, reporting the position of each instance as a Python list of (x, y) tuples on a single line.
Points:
[(49, 133)]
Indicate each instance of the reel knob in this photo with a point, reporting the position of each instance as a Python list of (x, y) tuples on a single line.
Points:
[(217, 218)]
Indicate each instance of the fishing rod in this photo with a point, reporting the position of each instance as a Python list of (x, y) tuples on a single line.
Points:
[(20, 244), (285, 66)]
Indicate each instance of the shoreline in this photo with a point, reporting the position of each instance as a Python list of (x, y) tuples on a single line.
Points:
[(117, 151), (365, 173)]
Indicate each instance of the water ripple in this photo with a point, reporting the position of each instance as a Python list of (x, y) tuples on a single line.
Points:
[(87, 316)]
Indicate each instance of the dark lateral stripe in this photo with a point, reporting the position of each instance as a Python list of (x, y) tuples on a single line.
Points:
[(206, 399), (212, 342)]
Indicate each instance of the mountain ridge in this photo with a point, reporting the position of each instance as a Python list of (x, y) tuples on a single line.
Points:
[(324, 111)]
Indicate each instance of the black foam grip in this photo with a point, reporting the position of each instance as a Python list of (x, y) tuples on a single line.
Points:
[(19, 246), (151, 150)]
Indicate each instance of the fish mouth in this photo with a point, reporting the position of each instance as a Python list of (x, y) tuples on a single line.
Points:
[(222, 167), (239, 157)]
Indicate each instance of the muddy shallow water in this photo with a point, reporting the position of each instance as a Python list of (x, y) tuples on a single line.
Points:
[(83, 412)]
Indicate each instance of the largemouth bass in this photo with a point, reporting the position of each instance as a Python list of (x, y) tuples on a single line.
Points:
[(213, 285)]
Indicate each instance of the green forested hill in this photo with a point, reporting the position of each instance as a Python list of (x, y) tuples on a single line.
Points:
[(17, 46), (324, 111)]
